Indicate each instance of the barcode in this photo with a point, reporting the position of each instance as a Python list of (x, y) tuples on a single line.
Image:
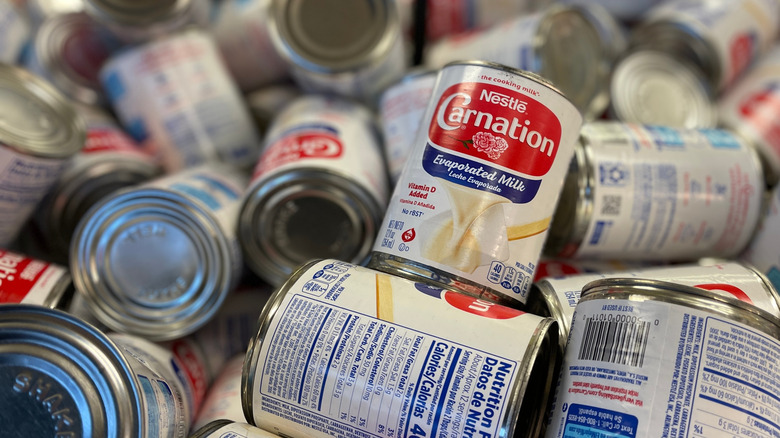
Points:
[(614, 340), (610, 205)]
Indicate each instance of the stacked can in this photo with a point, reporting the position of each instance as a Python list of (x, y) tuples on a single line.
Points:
[(686, 52), (473, 204), (349, 47), (159, 259), (64, 377), (175, 94), (347, 350), (751, 109), (109, 161), (69, 50), (40, 132), (134, 21), (558, 297), (651, 358), (572, 46), (318, 190), (657, 194)]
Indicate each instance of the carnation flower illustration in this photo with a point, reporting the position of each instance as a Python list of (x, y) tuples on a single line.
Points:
[(490, 144)]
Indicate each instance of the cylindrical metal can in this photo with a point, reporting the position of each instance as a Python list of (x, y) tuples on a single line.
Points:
[(159, 259), (656, 88), (30, 281), (318, 190), (657, 194), (401, 110), (241, 32), (223, 399), (752, 109), (69, 50), (632, 11), (176, 92), (230, 429), (558, 297), (347, 350), (135, 21), (350, 47), (473, 204), (721, 37), (14, 32), (650, 358), (763, 252), (40, 132), (109, 161), (64, 377), (565, 44)]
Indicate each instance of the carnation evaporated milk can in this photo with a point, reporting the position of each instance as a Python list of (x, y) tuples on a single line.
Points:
[(473, 204)]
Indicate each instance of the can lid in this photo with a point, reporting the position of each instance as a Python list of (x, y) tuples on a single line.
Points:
[(35, 118), (575, 57), (334, 35), (304, 214), (63, 375), (648, 289), (72, 48), (152, 262), (655, 88)]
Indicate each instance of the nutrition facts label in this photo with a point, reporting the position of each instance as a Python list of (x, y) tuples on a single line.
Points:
[(350, 374)]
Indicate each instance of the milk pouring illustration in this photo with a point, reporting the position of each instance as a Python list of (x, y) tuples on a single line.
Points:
[(473, 204)]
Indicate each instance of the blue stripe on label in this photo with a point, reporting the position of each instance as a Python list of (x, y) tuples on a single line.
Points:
[(137, 129), (464, 172), (664, 136), (152, 411), (112, 83), (720, 139), (593, 422), (774, 275), (598, 231), (198, 194), (218, 185)]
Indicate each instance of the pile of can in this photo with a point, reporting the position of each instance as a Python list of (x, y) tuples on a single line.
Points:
[(390, 218)]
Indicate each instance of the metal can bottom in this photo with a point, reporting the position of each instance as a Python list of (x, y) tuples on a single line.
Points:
[(415, 271)]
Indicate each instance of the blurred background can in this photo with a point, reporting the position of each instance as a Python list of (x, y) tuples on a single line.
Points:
[(159, 259), (319, 188)]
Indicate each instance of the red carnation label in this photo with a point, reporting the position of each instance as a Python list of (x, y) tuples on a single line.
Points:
[(297, 147), (493, 123)]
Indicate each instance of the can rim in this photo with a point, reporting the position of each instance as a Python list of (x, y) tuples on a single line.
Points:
[(83, 184), (50, 42), (206, 430), (674, 293), (114, 307), (86, 362), (267, 195), (136, 12), (543, 299), (284, 37), (68, 134)]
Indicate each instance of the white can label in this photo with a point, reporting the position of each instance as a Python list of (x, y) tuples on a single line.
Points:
[(14, 32), (478, 191), (24, 181), (510, 43), (327, 134), (751, 107), (666, 194), (368, 358), (168, 408), (240, 430), (739, 30), (402, 108), (649, 368), (223, 400), (728, 279), (175, 95)]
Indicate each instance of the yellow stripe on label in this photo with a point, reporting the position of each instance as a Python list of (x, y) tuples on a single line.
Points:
[(384, 298), (518, 232)]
